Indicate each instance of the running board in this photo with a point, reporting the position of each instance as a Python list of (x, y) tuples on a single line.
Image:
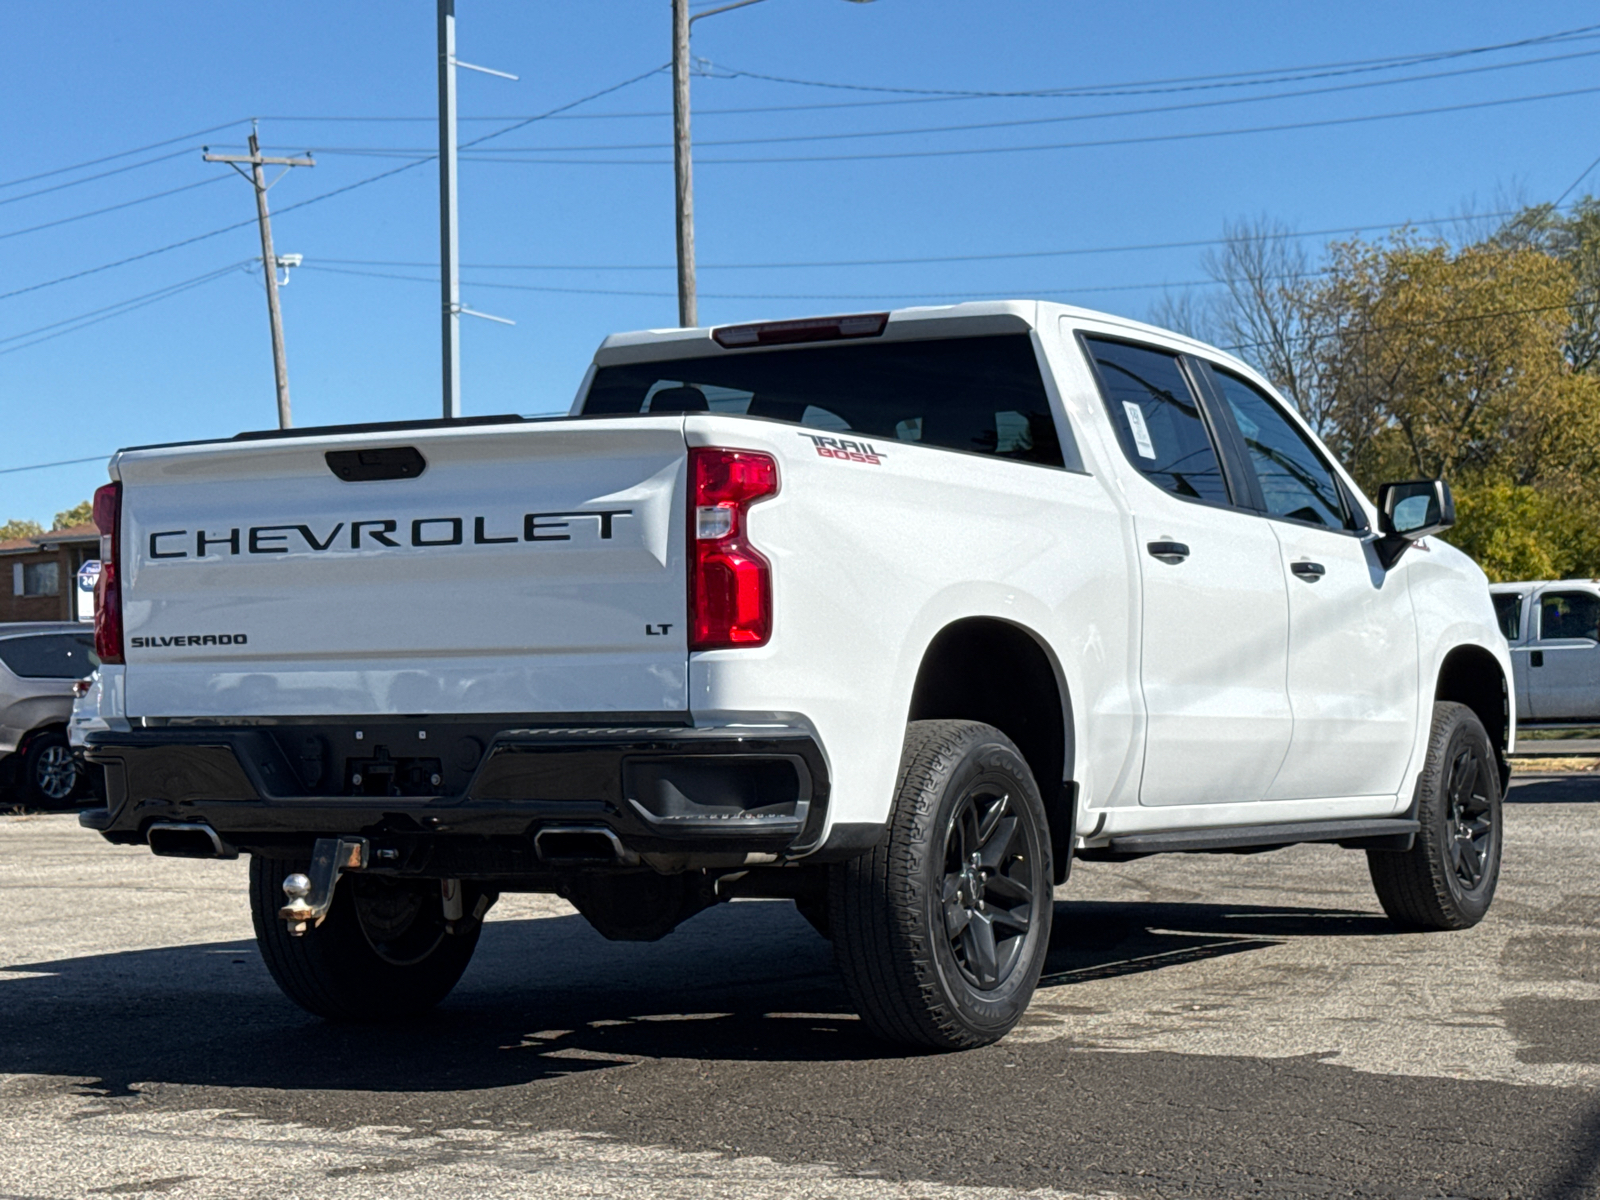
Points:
[(1391, 833)]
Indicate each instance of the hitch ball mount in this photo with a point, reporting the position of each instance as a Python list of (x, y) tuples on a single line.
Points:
[(311, 895)]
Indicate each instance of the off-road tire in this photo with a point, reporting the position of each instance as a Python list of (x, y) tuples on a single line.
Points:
[(48, 768), (336, 971), (889, 912), (1429, 886)]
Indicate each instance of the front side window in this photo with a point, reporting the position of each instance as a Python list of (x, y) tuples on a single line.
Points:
[(1569, 615), (983, 395), (1295, 482), (1158, 419), (48, 656), (1508, 609)]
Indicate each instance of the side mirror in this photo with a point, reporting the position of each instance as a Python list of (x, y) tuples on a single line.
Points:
[(1410, 511)]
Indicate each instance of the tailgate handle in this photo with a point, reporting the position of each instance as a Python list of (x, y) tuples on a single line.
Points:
[(384, 462)]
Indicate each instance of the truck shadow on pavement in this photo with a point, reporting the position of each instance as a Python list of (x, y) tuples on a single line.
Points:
[(545, 998)]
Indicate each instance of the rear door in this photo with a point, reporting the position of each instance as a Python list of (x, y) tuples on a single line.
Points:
[(516, 569), (1215, 641), (1564, 658), (1352, 666)]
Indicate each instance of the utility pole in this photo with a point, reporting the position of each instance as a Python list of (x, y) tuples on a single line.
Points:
[(450, 305), (682, 160), (683, 164), (269, 260)]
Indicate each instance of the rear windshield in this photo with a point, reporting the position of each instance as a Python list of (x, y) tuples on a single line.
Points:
[(983, 395), (48, 655)]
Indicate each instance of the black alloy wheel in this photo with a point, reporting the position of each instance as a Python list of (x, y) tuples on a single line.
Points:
[(987, 896), (400, 920), (1447, 879), (1471, 818), (941, 930)]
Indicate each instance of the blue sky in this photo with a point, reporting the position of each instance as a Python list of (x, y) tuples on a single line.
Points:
[(573, 242)]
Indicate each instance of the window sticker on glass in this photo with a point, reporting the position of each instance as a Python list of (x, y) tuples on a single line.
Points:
[(1141, 431)]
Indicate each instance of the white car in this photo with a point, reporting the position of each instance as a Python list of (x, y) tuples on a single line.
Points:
[(1553, 626), (891, 614)]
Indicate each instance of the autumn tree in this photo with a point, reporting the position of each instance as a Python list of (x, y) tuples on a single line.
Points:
[(78, 514), (19, 529)]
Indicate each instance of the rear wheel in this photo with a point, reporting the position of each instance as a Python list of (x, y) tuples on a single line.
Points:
[(50, 773), (384, 950), (1447, 879), (941, 931)]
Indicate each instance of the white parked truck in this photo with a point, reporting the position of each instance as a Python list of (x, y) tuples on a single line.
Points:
[(891, 614), (1553, 626)]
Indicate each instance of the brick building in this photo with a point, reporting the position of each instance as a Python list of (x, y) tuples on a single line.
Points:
[(39, 575)]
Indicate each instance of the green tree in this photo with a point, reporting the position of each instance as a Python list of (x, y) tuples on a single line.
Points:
[(78, 514), (19, 529)]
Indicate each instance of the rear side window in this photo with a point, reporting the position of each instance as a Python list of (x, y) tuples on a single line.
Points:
[(1569, 615), (1158, 419), (983, 395), (1508, 608), (1295, 482), (48, 655)]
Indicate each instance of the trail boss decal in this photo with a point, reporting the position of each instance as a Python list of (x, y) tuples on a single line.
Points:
[(383, 534), (844, 448)]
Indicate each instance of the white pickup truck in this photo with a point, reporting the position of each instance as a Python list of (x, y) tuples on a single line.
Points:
[(1553, 626), (890, 614)]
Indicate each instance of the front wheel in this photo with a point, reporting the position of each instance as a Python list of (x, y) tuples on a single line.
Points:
[(941, 931), (384, 950), (1447, 879)]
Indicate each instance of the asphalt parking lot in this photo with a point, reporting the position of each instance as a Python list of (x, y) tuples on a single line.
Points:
[(1208, 1026)]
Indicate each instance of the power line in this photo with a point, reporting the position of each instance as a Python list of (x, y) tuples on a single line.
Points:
[(1291, 73), (1193, 82), (1190, 244), (980, 126), (1080, 145), (103, 175), (1095, 143), (72, 324), (110, 208), (349, 187), (95, 162), (66, 462)]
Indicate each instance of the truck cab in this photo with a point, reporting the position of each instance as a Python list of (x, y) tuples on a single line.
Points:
[(1553, 629)]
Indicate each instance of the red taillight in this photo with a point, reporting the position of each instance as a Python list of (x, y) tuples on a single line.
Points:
[(108, 588), (730, 583)]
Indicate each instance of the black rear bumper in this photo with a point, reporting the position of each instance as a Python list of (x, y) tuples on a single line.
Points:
[(442, 795)]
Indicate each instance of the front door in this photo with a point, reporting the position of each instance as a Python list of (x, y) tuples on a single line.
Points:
[(1352, 659), (1564, 660)]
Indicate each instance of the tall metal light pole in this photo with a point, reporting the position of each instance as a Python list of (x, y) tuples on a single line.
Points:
[(682, 160), (449, 243)]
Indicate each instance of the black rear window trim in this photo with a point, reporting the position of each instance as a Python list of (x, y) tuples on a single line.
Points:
[(1054, 399)]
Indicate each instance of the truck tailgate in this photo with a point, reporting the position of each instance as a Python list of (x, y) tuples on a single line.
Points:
[(518, 568)]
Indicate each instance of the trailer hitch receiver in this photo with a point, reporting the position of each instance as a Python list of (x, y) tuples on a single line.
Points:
[(311, 895)]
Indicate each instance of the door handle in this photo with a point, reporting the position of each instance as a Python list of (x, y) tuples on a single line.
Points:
[(1171, 553), (1311, 571), (1536, 658)]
